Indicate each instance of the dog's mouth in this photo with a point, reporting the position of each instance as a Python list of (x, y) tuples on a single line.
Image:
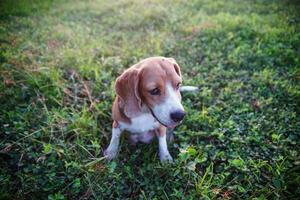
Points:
[(171, 126)]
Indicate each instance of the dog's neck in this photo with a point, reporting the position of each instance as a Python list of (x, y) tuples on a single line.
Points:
[(145, 109)]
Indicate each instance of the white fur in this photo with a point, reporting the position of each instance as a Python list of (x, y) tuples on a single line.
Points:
[(141, 128), (112, 149), (140, 124), (164, 154), (145, 137), (189, 89), (171, 104)]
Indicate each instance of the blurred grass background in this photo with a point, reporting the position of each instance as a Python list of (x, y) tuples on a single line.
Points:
[(59, 60)]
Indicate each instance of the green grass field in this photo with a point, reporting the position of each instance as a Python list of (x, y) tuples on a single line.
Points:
[(239, 140)]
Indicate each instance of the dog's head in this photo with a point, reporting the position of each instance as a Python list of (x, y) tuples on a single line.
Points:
[(154, 83)]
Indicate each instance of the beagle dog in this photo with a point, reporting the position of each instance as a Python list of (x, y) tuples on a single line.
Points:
[(148, 102)]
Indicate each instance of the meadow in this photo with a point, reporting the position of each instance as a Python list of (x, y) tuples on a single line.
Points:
[(239, 139)]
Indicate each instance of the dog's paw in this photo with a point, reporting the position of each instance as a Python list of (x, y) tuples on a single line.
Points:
[(110, 154), (165, 158)]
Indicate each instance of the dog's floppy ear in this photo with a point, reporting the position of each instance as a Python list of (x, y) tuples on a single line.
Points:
[(127, 90), (176, 66)]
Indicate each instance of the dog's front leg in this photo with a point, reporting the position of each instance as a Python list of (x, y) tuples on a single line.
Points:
[(112, 150), (164, 154)]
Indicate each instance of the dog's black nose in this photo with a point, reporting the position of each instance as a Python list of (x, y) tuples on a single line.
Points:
[(177, 116)]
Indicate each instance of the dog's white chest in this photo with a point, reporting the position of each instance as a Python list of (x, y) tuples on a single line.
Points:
[(140, 124)]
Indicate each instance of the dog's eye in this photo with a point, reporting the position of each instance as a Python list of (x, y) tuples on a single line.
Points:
[(155, 91), (178, 86)]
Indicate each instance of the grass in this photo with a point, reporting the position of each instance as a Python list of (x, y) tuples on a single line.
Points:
[(59, 60)]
